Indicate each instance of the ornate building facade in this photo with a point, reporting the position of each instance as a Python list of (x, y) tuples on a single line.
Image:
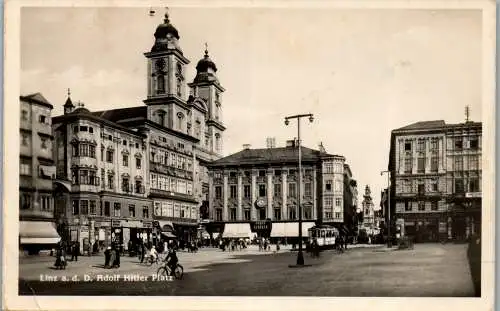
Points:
[(435, 172), (255, 191), (36, 172), (161, 148)]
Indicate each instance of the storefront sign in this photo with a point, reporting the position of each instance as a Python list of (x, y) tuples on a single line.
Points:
[(84, 229), (147, 223), (131, 223), (84, 235), (100, 224), (473, 194), (115, 223)]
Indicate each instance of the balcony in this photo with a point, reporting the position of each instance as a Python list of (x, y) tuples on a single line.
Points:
[(170, 170)]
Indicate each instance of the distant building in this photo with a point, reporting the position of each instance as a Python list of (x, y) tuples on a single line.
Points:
[(255, 191), (37, 229), (436, 179), (368, 206)]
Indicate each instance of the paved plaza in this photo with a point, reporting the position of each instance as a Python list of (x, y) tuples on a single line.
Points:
[(429, 270)]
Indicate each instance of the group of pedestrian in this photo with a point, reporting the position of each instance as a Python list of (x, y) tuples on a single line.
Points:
[(61, 262), (232, 244), (264, 245)]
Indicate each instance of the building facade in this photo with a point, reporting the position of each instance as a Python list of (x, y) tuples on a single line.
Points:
[(172, 137), (350, 202), (255, 191), (435, 194), (36, 172)]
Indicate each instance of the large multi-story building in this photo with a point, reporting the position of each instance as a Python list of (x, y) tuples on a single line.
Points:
[(159, 151), (255, 191), (36, 171), (435, 179)]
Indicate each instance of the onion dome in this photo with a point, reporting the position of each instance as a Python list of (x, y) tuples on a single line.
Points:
[(205, 70), (164, 33), (205, 63)]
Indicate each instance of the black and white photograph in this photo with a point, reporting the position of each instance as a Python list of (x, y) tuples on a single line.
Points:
[(249, 149)]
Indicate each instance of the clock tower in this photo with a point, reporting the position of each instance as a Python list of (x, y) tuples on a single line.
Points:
[(166, 67)]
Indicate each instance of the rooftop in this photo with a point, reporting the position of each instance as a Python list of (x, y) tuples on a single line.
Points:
[(36, 98), (270, 155)]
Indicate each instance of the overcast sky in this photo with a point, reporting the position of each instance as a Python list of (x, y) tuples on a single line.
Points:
[(361, 73)]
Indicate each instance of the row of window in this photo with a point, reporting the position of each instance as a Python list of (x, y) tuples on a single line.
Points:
[(263, 173), (262, 214), (329, 215), (88, 207), (421, 143), (25, 139), (409, 206), (408, 164), (169, 209), (172, 159), (168, 183), (44, 201), (464, 185), (407, 186), (42, 119), (329, 201), (262, 190)]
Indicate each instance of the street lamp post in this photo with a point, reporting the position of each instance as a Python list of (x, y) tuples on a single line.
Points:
[(389, 240), (300, 255)]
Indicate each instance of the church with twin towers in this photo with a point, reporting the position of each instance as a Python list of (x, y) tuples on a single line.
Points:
[(140, 173)]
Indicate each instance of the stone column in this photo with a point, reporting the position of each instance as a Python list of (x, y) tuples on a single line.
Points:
[(284, 190), (253, 211), (225, 196), (270, 194), (239, 215)]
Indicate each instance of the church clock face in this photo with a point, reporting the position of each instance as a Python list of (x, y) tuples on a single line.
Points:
[(160, 64)]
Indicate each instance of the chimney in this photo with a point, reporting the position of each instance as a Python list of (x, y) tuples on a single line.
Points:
[(271, 142), (246, 146)]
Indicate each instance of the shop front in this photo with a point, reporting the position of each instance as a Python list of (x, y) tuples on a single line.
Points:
[(37, 235), (288, 232), (425, 227)]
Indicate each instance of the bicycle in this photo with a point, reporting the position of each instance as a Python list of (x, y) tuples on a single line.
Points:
[(165, 271)]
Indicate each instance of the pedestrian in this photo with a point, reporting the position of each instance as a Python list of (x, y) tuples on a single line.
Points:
[(143, 251), (60, 257), (74, 252), (107, 257)]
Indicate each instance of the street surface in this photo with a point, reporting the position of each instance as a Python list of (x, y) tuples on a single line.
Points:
[(429, 270)]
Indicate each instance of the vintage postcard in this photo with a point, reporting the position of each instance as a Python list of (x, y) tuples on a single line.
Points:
[(250, 155)]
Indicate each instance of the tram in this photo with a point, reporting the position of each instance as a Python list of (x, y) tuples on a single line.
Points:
[(325, 235)]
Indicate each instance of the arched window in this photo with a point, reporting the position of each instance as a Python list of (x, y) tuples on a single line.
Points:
[(160, 84), (161, 118), (179, 87), (217, 142)]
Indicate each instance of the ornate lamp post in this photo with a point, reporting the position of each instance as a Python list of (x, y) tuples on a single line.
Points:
[(300, 255), (389, 241)]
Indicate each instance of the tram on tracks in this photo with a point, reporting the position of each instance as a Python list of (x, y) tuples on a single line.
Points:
[(325, 235)]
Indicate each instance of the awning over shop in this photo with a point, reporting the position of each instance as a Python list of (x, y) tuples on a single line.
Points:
[(168, 234), (290, 229), (237, 231), (38, 232), (166, 226)]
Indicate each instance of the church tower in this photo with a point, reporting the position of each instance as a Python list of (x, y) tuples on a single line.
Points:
[(207, 87), (166, 85)]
